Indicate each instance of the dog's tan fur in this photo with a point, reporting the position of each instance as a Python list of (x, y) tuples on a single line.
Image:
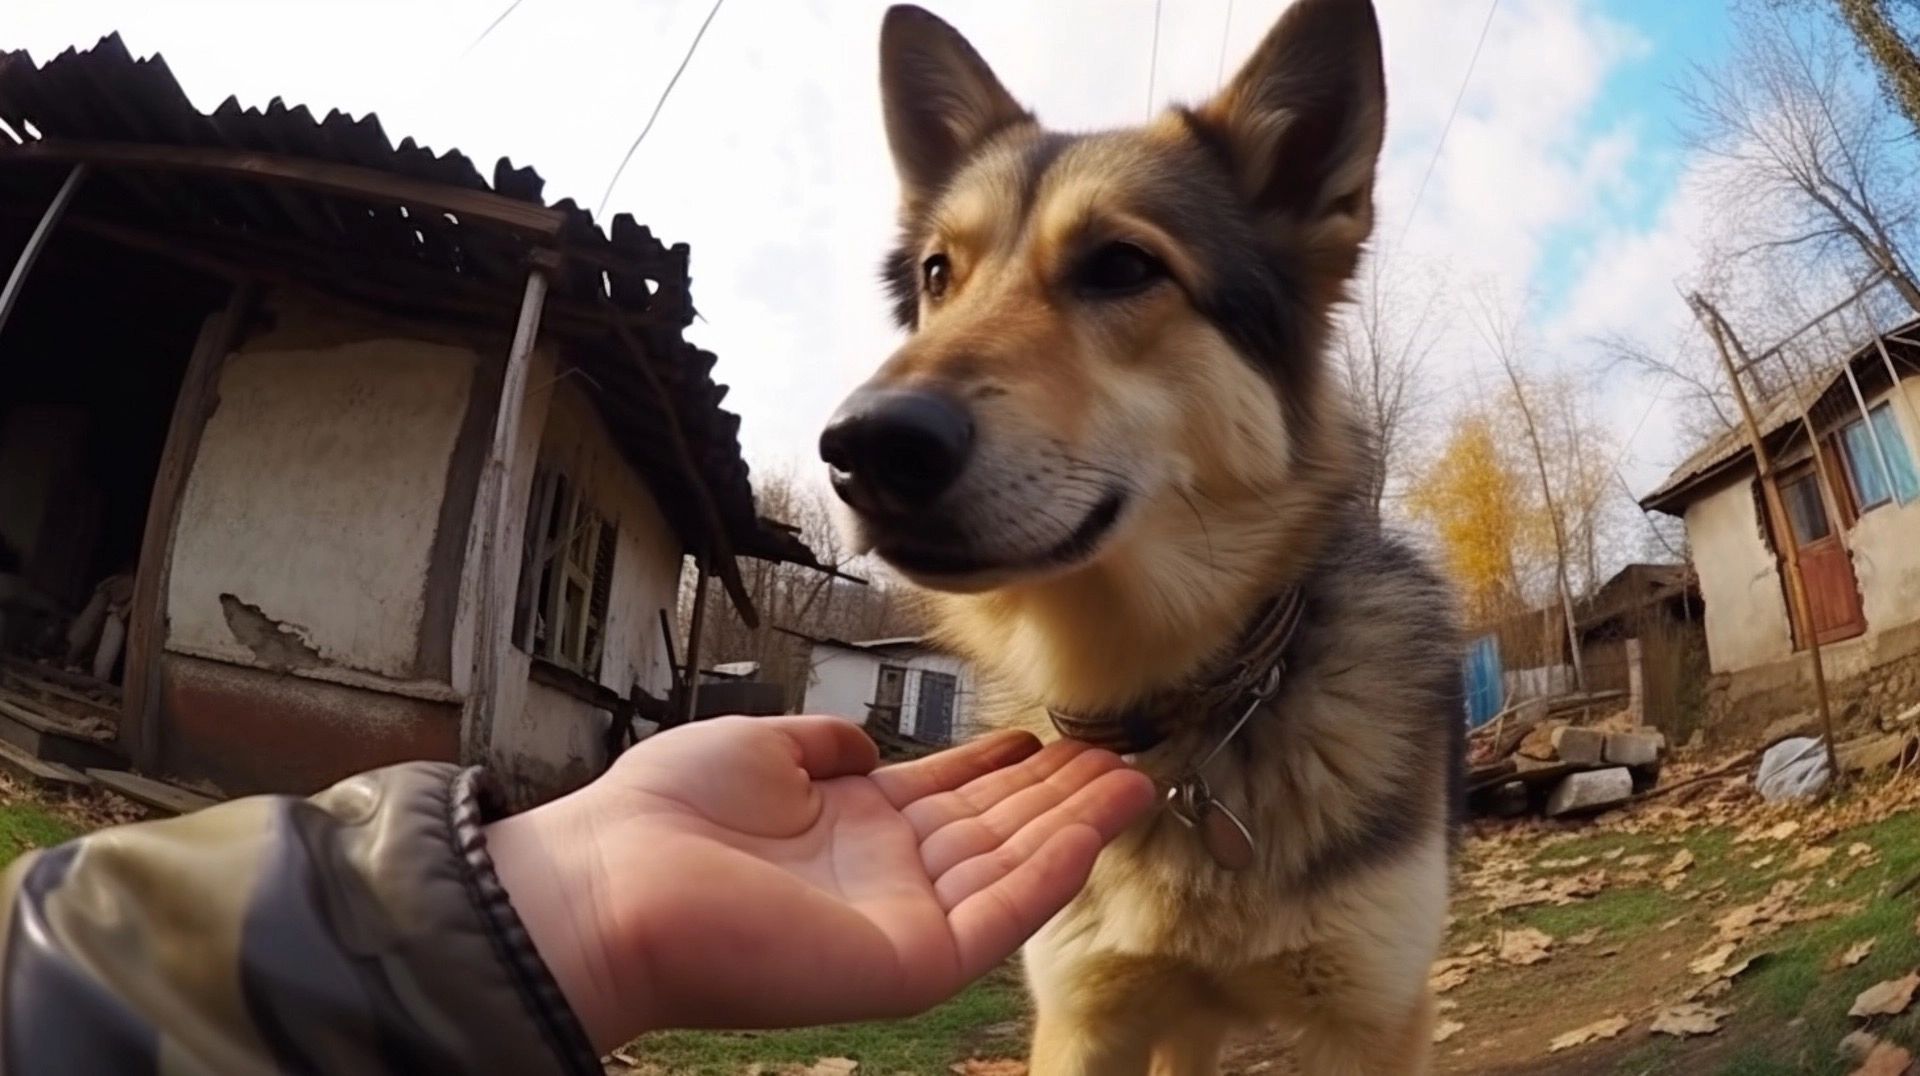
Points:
[(1239, 464)]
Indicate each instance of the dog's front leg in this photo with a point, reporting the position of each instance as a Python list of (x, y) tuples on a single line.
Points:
[(1070, 1043), (1348, 1044), (1098, 1013)]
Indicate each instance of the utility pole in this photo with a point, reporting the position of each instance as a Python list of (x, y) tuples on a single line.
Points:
[(1781, 526)]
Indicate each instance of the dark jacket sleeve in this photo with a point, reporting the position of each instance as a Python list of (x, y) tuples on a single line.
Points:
[(362, 930)]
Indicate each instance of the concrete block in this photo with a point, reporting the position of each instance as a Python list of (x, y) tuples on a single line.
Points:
[(1594, 790), (1634, 748), (1585, 747)]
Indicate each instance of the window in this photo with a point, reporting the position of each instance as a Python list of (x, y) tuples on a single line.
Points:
[(566, 576), (1804, 508), (1873, 449)]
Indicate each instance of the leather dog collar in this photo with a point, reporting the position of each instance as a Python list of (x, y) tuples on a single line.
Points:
[(1251, 671)]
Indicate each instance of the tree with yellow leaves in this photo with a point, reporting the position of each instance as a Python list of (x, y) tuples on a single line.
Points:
[(1475, 499)]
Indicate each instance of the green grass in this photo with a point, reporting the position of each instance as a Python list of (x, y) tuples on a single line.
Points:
[(1617, 912), (26, 826), (928, 1043), (1790, 1010)]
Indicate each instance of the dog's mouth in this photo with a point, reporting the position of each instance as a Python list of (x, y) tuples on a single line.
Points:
[(932, 563)]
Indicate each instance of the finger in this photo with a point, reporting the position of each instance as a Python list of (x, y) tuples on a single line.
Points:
[(963, 838), (827, 746), (942, 808), (989, 925), (909, 781), (1107, 806)]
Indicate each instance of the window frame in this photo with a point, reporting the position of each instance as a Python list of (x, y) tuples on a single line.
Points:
[(1852, 465), (566, 575)]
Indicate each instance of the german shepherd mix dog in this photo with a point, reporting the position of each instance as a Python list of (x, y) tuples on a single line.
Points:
[(1114, 454)]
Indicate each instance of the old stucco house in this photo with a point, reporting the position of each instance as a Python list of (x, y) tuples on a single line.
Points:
[(393, 461), (1858, 531)]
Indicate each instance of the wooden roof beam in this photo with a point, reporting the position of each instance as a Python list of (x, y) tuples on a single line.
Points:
[(343, 179)]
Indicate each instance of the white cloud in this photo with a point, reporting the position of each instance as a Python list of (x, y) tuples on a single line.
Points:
[(770, 160)]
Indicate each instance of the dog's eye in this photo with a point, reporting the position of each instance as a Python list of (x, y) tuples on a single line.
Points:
[(935, 273), (1118, 269)]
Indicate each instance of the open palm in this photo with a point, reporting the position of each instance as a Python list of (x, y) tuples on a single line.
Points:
[(761, 873)]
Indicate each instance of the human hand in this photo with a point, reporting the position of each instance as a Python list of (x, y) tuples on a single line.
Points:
[(760, 872)]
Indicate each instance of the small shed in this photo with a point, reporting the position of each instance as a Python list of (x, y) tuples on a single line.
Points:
[(902, 686), (369, 456), (1640, 638)]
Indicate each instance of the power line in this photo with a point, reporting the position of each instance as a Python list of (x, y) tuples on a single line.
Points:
[(1447, 127), (1153, 59), (497, 20), (1220, 68), (658, 105)]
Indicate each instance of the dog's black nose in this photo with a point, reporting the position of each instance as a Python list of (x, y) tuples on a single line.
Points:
[(895, 450)]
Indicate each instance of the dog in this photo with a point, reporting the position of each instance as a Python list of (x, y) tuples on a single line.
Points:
[(1113, 456)]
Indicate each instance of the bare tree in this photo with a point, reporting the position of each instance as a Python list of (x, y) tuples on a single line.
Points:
[(1384, 343), (796, 599), (1502, 337), (1810, 161)]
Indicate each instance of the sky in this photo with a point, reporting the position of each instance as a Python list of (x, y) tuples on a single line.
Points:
[(1562, 185)]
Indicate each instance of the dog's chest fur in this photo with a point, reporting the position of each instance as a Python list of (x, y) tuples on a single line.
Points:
[(1351, 770)]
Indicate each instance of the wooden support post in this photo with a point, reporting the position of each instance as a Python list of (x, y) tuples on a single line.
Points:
[(1636, 681), (147, 617), (493, 514), (694, 631), (1781, 526), (1823, 472), (37, 242)]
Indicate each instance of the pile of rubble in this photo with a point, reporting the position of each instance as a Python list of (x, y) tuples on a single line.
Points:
[(1548, 756)]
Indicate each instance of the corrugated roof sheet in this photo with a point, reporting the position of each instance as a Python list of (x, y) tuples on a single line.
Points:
[(1775, 418), (419, 261)]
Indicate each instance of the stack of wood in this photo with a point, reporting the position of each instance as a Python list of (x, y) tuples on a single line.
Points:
[(1544, 756)]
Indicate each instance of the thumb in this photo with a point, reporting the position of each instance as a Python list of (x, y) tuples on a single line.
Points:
[(827, 746)]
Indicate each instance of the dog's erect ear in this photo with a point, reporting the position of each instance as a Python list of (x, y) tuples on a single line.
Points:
[(1303, 121), (942, 100)]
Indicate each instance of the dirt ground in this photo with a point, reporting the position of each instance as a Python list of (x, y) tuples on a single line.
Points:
[(1745, 931)]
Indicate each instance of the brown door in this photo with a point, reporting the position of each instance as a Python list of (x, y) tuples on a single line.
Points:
[(1833, 594)]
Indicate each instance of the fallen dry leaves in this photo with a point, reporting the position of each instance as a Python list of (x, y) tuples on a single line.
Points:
[(1810, 858), (1713, 960), (1779, 908), (1597, 1031), (976, 1066), (1689, 1018), (1887, 998), (1451, 972), (1525, 946), (1885, 1059), (1854, 954)]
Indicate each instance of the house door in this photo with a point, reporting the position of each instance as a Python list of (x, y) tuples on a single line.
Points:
[(888, 691), (1833, 594)]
